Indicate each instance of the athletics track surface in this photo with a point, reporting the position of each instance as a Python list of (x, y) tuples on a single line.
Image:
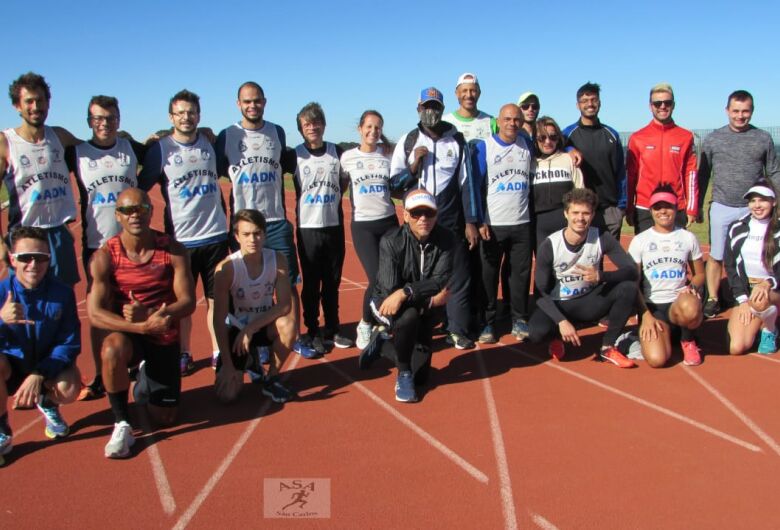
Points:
[(504, 438)]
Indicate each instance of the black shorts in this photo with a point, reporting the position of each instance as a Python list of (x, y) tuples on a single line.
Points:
[(244, 362), (162, 370), (19, 373), (660, 312), (203, 262)]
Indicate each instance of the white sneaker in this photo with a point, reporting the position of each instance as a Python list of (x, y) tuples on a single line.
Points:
[(121, 441), (363, 335)]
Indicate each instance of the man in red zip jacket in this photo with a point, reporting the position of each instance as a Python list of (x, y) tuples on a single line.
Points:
[(659, 153)]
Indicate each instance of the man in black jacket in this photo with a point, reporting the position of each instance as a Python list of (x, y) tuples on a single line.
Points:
[(415, 265)]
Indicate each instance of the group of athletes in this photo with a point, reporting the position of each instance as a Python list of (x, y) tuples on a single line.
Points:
[(481, 197)]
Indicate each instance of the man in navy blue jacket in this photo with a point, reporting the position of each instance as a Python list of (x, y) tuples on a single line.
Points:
[(40, 336)]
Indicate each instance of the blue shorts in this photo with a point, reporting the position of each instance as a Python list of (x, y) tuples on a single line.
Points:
[(279, 237), (721, 216)]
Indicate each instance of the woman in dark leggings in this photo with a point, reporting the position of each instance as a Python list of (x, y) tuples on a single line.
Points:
[(373, 211)]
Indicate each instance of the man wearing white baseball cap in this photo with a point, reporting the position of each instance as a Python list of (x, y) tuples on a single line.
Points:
[(415, 265), (470, 121)]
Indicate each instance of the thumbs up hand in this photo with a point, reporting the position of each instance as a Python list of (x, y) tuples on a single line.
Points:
[(135, 311), (158, 322), (12, 312)]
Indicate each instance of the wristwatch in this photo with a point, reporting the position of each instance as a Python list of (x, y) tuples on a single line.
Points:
[(408, 291)]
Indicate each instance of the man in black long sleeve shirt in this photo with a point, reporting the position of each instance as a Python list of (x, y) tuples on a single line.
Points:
[(415, 266), (573, 285)]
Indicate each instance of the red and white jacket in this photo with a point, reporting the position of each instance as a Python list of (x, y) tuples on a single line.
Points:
[(658, 154)]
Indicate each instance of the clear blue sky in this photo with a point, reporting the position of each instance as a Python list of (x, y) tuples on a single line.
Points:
[(351, 56)]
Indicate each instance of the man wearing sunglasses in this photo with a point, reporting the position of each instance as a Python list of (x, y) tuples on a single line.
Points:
[(32, 163), (530, 106), (141, 289), (40, 336), (603, 164), (415, 265), (661, 153)]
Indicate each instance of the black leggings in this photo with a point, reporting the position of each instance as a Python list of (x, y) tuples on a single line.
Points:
[(321, 252), (365, 238), (616, 301)]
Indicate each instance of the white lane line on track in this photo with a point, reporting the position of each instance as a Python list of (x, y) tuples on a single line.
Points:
[(758, 431), (433, 442), (649, 404), (27, 427), (362, 285), (541, 522), (158, 470), (504, 478), (764, 357), (204, 493)]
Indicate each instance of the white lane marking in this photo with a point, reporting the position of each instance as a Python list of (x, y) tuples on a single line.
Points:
[(649, 404), (433, 442), (765, 357), (204, 493), (541, 522), (735, 410), (27, 427), (158, 469), (504, 478), (352, 282)]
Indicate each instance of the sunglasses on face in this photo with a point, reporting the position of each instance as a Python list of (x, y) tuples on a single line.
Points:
[(419, 212), (133, 209), (27, 257), (543, 138), (526, 106), (663, 103)]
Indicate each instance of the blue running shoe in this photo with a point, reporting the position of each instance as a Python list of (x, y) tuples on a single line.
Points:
[(373, 351), (274, 389), (404, 387), (264, 353), (186, 365), (55, 425), (5, 446), (487, 336), (768, 343), (520, 330), (304, 348)]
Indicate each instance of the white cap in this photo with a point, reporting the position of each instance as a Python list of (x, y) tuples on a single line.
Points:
[(760, 189), (467, 78), (526, 95), (419, 198)]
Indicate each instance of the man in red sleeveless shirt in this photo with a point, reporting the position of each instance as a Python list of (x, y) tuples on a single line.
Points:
[(142, 288)]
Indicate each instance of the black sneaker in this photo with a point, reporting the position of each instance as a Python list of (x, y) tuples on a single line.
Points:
[(711, 308), (461, 342), (340, 341), (373, 351), (275, 390)]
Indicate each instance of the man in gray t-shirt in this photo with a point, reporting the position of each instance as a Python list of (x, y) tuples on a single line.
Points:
[(734, 157)]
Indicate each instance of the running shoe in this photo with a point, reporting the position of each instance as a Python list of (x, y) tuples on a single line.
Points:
[(691, 353), (520, 330), (363, 335), (556, 349), (255, 364), (373, 350), (487, 336), (340, 341), (121, 441), (6, 443), (461, 342), (94, 390), (56, 427), (711, 308), (768, 343), (614, 356), (303, 347), (404, 387), (275, 390), (264, 353), (186, 365)]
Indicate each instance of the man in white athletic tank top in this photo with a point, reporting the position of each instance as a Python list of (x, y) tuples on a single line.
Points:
[(252, 304), (468, 119), (32, 163)]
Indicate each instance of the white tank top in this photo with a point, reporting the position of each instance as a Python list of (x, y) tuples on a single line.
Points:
[(471, 128), (252, 296), (37, 182), (254, 158), (571, 284), (102, 175), (318, 180), (369, 190), (508, 182)]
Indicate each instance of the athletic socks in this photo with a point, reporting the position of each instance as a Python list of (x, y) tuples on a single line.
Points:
[(118, 402)]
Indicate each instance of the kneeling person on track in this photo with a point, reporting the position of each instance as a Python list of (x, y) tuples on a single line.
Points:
[(668, 301), (39, 336), (415, 264), (246, 282), (141, 289), (573, 285)]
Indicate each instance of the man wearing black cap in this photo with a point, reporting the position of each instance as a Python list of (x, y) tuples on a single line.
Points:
[(415, 264), (435, 156)]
